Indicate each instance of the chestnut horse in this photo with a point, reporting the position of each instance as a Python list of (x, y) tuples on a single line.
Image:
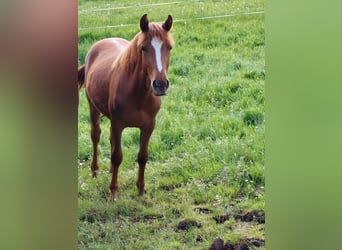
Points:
[(124, 81)]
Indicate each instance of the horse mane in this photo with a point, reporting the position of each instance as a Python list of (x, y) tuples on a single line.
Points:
[(129, 58)]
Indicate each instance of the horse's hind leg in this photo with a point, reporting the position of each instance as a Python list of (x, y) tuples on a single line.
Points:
[(95, 136)]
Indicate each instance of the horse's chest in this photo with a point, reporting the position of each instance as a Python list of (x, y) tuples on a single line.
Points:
[(136, 115)]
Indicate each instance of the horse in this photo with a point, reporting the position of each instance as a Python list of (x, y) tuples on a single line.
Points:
[(124, 81)]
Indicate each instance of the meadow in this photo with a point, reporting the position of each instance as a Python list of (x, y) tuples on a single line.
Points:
[(206, 170)]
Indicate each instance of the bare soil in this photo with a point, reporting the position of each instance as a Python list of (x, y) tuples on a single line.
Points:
[(244, 244)]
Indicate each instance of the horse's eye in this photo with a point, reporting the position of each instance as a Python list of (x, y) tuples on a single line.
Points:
[(170, 47), (143, 48)]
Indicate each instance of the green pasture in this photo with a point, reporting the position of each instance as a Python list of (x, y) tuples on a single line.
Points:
[(207, 152)]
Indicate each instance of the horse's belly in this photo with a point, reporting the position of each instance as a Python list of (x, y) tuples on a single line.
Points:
[(97, 92)]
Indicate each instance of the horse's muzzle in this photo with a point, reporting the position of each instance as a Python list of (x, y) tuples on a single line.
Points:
[(160, 87)]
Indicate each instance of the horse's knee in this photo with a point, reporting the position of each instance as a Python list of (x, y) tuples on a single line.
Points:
[(116, 158), (95, 133), (142, 158), (142, 161)]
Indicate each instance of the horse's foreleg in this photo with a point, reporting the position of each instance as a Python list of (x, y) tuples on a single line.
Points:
[(145, 134), (95, 137), (116, 159)]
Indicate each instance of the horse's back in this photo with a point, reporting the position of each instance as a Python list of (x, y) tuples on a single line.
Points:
[(105, 49), (98, 68)]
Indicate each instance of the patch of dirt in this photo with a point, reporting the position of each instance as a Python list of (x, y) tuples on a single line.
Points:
[(255, 215), (222, 218), (199, 238), (176, 212), (256, 242), (146, 217), (203, 210), (103, 220), (153, 216), (243, 244), (170, 187), (102, 233), (187, 224), (217, 244), (91, 215)]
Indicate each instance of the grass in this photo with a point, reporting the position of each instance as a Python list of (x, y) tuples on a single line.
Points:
[(207, 152)]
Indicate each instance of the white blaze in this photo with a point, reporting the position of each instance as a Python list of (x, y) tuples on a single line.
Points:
[(157, 44)]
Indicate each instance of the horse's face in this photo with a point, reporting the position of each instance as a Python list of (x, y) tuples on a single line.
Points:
[(155, 49)]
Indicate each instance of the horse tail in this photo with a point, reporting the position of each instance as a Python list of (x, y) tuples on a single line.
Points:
[(81, 76)]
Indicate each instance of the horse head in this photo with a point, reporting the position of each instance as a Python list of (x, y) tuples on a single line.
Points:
[(155, 46)]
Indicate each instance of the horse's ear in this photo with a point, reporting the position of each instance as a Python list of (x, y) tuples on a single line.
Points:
[(144, 23), (168, 23)]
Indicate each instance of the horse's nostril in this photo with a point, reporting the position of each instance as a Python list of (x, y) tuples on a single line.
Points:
[(157, 83), (160, 84)]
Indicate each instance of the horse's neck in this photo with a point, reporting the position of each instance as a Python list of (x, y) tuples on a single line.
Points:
[(134, 68), (128, 60)]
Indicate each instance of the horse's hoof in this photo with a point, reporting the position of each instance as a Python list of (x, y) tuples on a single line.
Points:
[(141, 193), (113, 196)]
